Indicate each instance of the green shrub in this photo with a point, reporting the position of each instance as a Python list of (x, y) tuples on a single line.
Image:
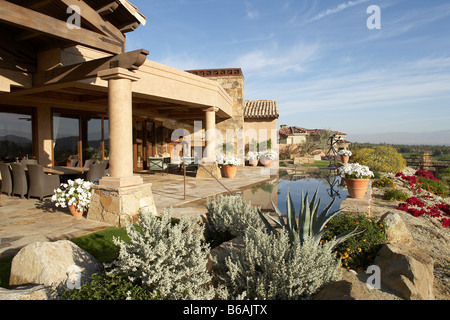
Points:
[(395, 194), (382, 158), (167, 258), (359, 251), (228, 217), (271, 267), (383, 182), (435, 187), (109, 287)]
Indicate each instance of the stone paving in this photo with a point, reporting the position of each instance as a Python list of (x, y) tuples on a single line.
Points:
[(24, 221)]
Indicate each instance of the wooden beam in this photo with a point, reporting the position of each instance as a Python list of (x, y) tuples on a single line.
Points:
[(109, 8), (86, 70), (96, 21), (29, 19)]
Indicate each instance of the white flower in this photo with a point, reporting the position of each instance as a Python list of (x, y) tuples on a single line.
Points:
[(252, 155), (269, 154), (344, 152), (355, 171), (231, 161)]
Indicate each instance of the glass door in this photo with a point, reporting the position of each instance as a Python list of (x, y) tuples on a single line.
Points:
[(66, 138)]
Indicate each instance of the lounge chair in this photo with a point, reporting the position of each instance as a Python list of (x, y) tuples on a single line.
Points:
[(96, 171), (6, 179), (157, 164), (20, 183), (41, 184)]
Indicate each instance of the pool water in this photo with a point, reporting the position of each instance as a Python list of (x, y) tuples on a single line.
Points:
[(328, 183)]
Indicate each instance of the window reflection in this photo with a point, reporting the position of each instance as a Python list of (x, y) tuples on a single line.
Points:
[(66, 136), (16, 136)]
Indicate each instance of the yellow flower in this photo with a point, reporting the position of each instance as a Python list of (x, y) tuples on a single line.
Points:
[(348, 249), (359, 249)]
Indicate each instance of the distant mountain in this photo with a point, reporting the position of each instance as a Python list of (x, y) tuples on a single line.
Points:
[(20, 141), (439, 138)]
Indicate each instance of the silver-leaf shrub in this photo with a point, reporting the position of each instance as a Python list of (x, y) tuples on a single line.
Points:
[(270, 266), (231, 214), (169, 258)]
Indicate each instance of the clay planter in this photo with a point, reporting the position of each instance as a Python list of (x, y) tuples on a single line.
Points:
[(357, 188), (345, 159), (75, 212), (266, 162), (253, 163), (230, 171)]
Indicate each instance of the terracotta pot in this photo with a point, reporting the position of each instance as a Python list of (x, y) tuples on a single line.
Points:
[(75, 212), (230, 171), (357, 188), (266, 162), (344, 159), (253, 163)]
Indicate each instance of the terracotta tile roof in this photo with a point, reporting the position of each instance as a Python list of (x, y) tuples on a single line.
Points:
[(291, 131), (261, 109)]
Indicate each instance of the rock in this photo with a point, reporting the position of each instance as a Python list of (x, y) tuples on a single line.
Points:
[(397, 231), (348, 288), (51, 264), (406, 271), (28, 293)]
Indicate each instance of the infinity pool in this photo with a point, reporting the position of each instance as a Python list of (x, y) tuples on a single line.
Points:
[(327, 181)]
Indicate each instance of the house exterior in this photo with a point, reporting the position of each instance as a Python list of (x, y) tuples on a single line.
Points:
[(260, 121), (68, 87)]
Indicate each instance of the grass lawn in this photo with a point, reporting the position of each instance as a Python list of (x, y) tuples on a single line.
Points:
[(318, 163)]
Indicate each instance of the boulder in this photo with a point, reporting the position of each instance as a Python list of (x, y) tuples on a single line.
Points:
[(348, 288), (52, 264), (406, 270), (28, 293), (397, 231)]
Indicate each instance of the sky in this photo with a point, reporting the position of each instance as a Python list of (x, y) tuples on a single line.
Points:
[(333, 64)]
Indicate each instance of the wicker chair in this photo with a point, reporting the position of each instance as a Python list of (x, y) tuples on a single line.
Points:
[(6, 179), (20, 180), (96, 171), (41, 184)]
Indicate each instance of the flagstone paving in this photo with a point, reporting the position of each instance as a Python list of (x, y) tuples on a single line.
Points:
[(25, 221)]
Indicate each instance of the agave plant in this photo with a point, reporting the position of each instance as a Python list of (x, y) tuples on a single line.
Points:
[(310, 222)]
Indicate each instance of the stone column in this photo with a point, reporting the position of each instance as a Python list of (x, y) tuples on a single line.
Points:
[(210, 135), (120, 112)]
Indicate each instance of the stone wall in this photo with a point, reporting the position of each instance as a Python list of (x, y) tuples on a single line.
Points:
[(234, 86), (119, 206)]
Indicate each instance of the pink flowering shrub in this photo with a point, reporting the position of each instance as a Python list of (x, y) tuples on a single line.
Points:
[(422, 203)]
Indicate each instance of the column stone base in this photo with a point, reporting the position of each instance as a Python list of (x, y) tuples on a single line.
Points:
[(120, 182), (212, 168), (120, 205)]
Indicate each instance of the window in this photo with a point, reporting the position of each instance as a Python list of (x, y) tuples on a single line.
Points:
[(16, 133)]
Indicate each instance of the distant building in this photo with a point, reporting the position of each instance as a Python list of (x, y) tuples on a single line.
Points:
[(297, 135)]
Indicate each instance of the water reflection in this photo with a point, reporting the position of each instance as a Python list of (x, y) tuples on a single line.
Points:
[(328, 183)]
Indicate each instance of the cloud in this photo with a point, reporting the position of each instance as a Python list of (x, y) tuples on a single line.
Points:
[(252, 13), (337, 9), (275, 60)]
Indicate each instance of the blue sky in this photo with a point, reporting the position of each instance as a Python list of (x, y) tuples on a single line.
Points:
[(317, 58)]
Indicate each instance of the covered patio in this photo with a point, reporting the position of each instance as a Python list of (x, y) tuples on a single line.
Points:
[(26, 221), (59, 78)]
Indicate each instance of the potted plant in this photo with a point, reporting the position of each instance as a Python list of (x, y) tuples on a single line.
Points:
[(253, 158), (345, 155), (230, 164), (76, 195), (357, 179), (267, 156)]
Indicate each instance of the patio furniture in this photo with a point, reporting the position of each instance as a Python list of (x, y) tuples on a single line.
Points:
[(28, 161), (96, 171), (158, 164), (41, 184), (189, 163), (74, 163), (6, 179), (88, 163), (20, 183)]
